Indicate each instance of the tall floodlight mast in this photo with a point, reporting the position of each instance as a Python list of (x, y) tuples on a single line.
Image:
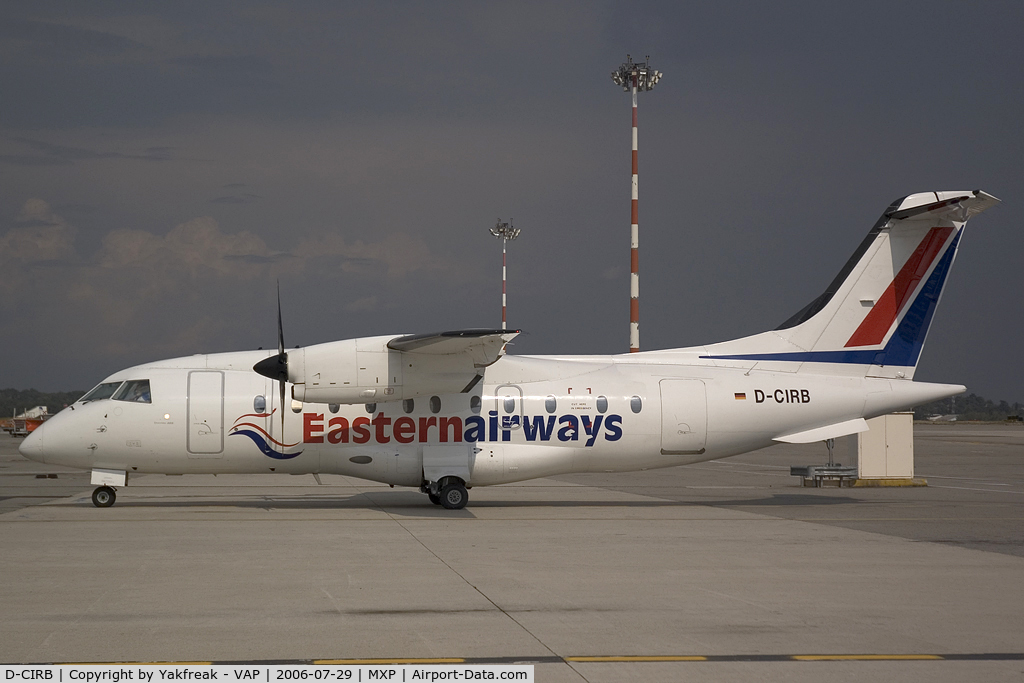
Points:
[(635, 76), (506, 233)]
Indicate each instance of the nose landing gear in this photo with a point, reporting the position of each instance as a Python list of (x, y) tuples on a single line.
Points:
[(103, 497)]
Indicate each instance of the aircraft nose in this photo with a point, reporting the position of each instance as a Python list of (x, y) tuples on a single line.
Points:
[(32, 446)]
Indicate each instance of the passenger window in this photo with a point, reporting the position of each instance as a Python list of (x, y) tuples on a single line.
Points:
[(510, 404), (635, 404), (296, 406), (602, 404), (259, 404), (408, 405), (333, 407), (371, 408), (435, 404), (550, 404), (101, 392), (134, 391), (474, 404)]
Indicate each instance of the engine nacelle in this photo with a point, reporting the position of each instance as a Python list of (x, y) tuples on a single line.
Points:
[(365, 370)]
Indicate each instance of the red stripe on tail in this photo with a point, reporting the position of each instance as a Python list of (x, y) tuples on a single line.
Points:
[(881, 317)]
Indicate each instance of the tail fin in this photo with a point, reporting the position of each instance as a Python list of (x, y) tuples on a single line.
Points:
[(874, 317)]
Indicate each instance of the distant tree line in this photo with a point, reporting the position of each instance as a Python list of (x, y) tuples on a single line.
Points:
[(13, 401), (970, 407)]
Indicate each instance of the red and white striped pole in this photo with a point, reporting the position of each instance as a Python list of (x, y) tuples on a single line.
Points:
[(506, 233), (503, 282), (634, 257), (635, 77)]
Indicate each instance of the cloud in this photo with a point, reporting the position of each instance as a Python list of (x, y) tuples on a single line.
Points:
[(143, 295), (53, 40), (50, 154), (367, 303), (41, 236), (245, 198), (395, 256), (31, 160), (199, 247)]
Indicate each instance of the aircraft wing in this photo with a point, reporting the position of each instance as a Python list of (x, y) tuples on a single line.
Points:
[(393, 368), (483, 346)]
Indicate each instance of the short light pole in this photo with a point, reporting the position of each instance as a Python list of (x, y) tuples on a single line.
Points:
[(506, 233), (635, 76)]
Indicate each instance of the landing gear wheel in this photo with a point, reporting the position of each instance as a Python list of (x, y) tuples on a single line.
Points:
[(103, 497), (454, 496), (434, 498)]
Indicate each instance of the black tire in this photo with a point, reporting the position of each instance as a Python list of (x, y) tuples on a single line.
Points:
[(434, 498), (103, 497), (454, 496)]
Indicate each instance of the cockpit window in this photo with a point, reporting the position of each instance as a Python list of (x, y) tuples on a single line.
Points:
[(134, 391), (101, 392)]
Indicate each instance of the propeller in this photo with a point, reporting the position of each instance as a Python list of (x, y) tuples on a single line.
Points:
[(276, 367)]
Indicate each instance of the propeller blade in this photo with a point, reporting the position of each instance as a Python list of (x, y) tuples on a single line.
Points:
[(281, 385), (282, 358), (276, 367), (280, 325)]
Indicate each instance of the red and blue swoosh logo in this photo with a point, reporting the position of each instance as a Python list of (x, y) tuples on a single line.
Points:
[(263, 440)]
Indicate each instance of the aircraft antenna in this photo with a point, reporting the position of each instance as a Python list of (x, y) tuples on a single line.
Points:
[(635, 77), (506, 233)]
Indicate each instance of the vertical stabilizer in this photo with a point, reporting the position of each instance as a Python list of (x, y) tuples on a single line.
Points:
[(874, 317)]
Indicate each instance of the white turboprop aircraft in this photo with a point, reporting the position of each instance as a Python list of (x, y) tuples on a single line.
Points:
[(446, 412)]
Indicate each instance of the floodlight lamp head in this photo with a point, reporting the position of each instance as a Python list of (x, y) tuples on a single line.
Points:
[(640, 72), (504, 231)]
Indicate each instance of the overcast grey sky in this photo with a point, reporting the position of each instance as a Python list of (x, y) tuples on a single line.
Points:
[(162, 164)]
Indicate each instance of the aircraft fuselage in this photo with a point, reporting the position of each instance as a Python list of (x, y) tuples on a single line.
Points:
[(529, 417)]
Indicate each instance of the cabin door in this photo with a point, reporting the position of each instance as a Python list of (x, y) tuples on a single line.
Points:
[(684, 417), (205, 414)]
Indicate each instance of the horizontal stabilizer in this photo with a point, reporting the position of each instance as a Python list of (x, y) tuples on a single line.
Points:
[(957, 206), (833, 431)]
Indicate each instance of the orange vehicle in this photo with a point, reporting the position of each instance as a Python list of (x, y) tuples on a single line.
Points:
[(23, 426)]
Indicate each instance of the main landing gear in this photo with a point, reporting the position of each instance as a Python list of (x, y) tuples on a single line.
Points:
[(450, 493), (103, 497)]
